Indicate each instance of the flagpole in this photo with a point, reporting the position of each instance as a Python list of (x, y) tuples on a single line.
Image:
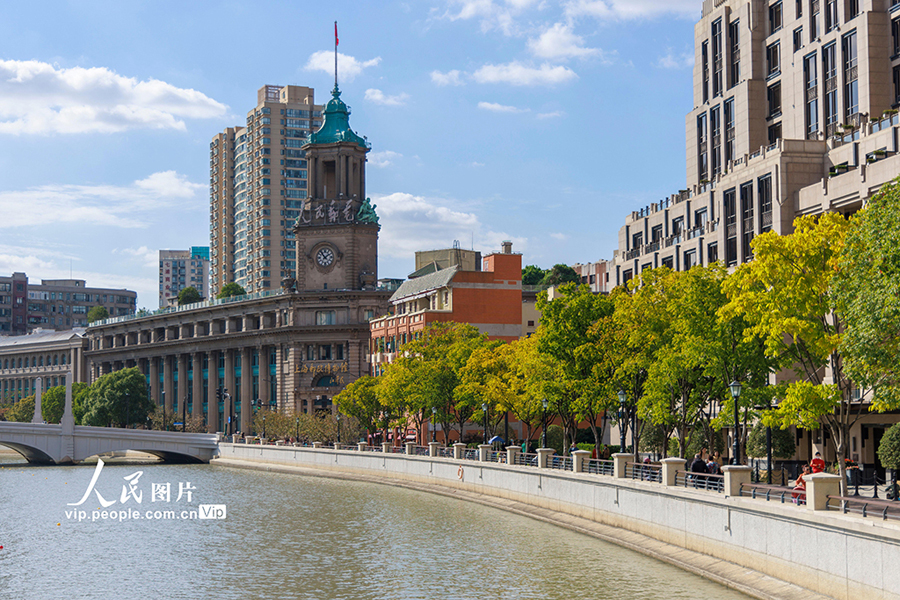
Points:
[(335, 54)]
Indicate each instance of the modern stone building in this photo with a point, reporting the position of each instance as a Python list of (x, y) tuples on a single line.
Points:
[(179, 269), (58, 304), (43, 354), (794, 113), (258, 182), (292, 347)]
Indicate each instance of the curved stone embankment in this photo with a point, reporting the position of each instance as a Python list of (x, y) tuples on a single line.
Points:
[(765, 549)]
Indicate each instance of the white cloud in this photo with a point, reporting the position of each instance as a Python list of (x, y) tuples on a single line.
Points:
[(109, 205), (633, 9), (449, 78), (348, 67), (494, 107), (382, 159), (560, 42), (516, 73), (379, 97), (40, 98), (685, 60), (476, 164), (559, 236), (148, 257), (550, 115), (410, 223), (500, 14)]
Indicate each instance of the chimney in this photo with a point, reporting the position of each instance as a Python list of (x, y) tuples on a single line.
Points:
[(507, 247)]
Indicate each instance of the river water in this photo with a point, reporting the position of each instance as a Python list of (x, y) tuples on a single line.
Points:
[(286, 536)]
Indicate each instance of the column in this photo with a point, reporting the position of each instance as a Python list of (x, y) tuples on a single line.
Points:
[(197, 392), (182, 385), (229, 385), (212, 402), (265, 378), (168, 383), (246, 389), (154, 380)]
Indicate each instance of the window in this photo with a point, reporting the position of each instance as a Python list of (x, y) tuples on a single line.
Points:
[(700, 217), (831, 18), (747, 218), (717, 57), (851, 77), (704, 52), (773, 60), (325, 317), (728, 201), (799, 8), (339, 352), (734, 35), (774, 96), (716, 125), (798, 38), (729, 129), (852, 9), (637, 240), (895, 37), (814, 21), (810, 77), (764, 190), (310, 353), (656, 233), (774, 132), (774, 17), (690, 259), (896, 85), (668, 262), (829, 70), (677, 225), (702, 156), (712, 253)]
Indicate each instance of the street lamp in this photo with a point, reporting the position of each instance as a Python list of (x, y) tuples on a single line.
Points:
[(183, 414), (484, 408), (735, 388), (544, 404), (433, 425), (264, 425), (621, 421), (339, 429), (297, 433)]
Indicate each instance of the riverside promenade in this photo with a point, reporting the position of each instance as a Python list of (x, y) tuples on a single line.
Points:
[(723, 528)]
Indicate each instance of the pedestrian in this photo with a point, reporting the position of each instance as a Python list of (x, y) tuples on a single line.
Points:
[(798, 496), (698, 469), (817, 465), (712, 466)]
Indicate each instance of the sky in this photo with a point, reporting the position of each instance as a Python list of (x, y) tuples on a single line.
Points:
[(544, 123)]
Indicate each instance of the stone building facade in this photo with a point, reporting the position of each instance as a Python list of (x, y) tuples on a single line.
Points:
[(291, 349), (42, 354)]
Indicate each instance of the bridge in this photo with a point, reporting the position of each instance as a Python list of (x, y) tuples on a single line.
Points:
[(67, 443)]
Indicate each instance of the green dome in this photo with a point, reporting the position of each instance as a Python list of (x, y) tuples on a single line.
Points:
[(336, 127)]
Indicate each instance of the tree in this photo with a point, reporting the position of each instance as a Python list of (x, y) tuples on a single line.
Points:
[(22, 411), (53, 402), (783, 442), (787, 297), (230, 289), (97, 313), (889, 448), (189, 295), (118, 398), (867, 289), (559, 275), (532, 275), (360, 401)]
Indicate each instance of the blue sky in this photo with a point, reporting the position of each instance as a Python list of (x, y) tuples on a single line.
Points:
[(536, 121)]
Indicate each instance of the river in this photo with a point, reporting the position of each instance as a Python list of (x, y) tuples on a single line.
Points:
[(287, 536)]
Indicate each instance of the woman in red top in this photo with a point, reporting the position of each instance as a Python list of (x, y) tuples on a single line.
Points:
[(799, 493), (817, 464)]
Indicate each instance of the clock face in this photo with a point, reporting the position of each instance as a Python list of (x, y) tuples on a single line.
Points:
[(325, 257)]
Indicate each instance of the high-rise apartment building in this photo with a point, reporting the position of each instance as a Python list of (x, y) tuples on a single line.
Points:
[(258, 182), (179, 269), (794, 113), (57, 304)]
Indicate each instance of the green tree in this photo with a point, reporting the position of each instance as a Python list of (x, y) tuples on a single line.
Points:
[(889, 448), (867, 289), (532, 275), (360, 401), (118, 398), (97, 313), (230, 289), (559, 275), (783, 442), (22, 411), (532, 374), (786, 295), (53, 402), (189, 295)]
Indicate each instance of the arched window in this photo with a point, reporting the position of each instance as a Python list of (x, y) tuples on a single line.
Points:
[(41, 360), (63, 359), (55, 359), (20, 362), (6, 363)]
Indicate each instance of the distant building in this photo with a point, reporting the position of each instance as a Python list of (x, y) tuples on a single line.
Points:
[(489, 298), (43, 354), (429, 261), (259, 176), (595, 274), (179, 269), (57, 304)]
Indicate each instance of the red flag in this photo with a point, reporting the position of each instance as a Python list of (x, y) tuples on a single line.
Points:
[(335, 35)]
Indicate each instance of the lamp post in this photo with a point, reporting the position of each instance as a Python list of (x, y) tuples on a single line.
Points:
[(165, 427), (484, 409), (264, 425), (768, 447), (621, 421), (433, 424), (183, 415), (297, 432), (544, 404), (339, 429), (735, 388)]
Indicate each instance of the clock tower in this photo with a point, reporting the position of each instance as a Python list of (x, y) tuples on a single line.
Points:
[(337, 230)]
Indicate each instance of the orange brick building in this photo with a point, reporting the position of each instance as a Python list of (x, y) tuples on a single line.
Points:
[(490, 299)]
